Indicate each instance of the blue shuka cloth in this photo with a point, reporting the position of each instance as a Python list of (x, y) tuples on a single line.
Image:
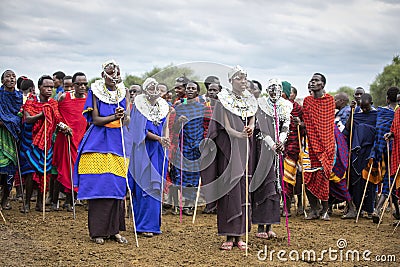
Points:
[(363, 139), (384, 121), (145, 170), (193, 134), (10, 104)]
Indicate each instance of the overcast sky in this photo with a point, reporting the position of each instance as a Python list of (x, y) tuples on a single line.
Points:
[(350, 41)]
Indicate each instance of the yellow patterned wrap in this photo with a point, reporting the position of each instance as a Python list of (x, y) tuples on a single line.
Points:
[(97, 163), (289, 171)]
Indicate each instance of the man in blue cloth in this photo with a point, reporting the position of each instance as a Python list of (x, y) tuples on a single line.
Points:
[(10, 129), (364, 132)]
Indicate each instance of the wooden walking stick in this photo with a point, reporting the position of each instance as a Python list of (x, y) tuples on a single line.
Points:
[(365, 190), (126, 178), (2, 216), (397, 225), (388, 168), (350, 141), (390, 193), (45, 169), (303, 186), (20, 176), (70, 173), (197, 200)]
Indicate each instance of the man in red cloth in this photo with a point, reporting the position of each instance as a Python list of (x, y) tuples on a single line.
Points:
[(319, 116), (41, 112), (395, 157), (70, 105)]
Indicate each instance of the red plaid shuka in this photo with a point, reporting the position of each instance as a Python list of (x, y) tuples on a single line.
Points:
[(395, 157), (292, 148), (319, 116), (52, 115)]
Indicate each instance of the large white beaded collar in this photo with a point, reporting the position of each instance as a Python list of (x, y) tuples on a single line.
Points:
[(243, 106), (154, 113), (100, 90), (283, 107)]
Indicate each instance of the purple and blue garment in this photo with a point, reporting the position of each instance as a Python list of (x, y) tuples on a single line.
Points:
[(145, 170), (338, 190)]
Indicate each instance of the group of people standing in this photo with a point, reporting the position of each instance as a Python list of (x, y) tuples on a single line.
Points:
[(248, 151)]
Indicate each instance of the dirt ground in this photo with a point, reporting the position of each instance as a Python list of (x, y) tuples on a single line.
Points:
[(27, 240)]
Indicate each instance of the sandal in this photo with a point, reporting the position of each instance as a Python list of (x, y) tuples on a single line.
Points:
[(241, 245), (147, 234), (120, 239), (262, 235), (228, 245), (271, 234), (98, 240)]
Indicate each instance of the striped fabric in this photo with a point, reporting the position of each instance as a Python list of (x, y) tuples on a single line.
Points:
[(384, 121), (395, 157), (319, 116), (193, 134)]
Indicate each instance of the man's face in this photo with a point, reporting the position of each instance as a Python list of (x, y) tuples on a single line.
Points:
[(80, 85), (163, 89), (365, 105), (338, 102), (213, 90), (179, 89), (398, 99), (46, 89), (191, 90), (134, 90), (57, 82), (68, 85), (239, 83), (357, 95), (292, 95), (316, 84), (9, 80)]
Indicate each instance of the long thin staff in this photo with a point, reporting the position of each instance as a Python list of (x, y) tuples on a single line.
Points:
[(390, 193), (397, 225), (197, 200), (303, 186), (45, 169), (70, 174), (388, 170), (350, 141), (162, 181), (181, 171), (280, 172), (20, 176), (247, 192), (365, 190), (2, 216), (126, 179)]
